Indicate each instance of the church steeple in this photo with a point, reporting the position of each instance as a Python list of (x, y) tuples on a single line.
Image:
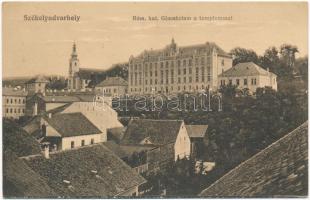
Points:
[(173, 45), (74, 53), (74, 61)]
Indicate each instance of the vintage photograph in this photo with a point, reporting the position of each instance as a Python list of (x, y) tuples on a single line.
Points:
[(155, 99)]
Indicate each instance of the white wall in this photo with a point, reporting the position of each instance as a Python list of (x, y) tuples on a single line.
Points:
[(182, 146), (66, 141)]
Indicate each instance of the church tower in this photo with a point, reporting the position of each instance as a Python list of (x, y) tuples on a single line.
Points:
[(74, 65), (74, 61)]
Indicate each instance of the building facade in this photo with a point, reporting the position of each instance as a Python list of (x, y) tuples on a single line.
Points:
[(248, 76), (112, 86), (13, 102), (36, 85), (177, 69)]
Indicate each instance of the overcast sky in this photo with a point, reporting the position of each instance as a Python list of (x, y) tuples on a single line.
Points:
[(106, 33)]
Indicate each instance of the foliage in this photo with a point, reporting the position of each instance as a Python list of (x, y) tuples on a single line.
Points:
[(56, 83)]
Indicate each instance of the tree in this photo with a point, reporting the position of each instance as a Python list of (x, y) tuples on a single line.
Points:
[(288, 52), (270, 59), (228, 91), (241, 55)]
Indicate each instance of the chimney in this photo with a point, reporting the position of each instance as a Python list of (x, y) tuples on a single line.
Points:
[(46, 150)]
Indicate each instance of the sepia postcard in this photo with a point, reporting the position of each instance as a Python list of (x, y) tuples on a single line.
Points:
[(155, 99)]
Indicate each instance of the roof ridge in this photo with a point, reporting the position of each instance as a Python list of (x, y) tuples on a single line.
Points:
[(257, 154)]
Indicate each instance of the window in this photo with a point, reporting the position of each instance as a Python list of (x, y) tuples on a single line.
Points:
[(184, 62), (7, 110), (179, 71), (7, 100), (161, 65), (202, 60), (184, 71), (197, 74), (167, 64), (11, 100), (190, 70), (230, 82), (202, 74), (82, 142), (190, 79), (23, 110), (179, 80), (15, 100), (237, 81), (245, 81), (72, 144), (179, 63), (253, 81), (184, 80), (190, 62)]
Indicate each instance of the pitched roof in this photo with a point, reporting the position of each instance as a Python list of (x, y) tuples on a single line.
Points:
[(191, 49), (60, 99), (68, 98), (196, 131), (113, 81), (123, 151), (245, 69), (13, 92), (72, 124), (92, 171), (278, 170), (87, 73), (37, 79), (20, 181), (158, 132), (115, 148), (17, 140)]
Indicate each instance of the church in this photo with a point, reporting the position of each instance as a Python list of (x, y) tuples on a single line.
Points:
[(81, 78)]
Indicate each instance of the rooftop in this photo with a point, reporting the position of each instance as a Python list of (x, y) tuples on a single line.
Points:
[(20, 181), (196, 131), (158, 132), (245, 69), (207, 47), (17, 140), (280, 170), (113, 81), (89, 171), (13, 92), (72, 124)]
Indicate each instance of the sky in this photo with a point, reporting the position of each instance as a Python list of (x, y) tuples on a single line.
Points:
[(107, 34)]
